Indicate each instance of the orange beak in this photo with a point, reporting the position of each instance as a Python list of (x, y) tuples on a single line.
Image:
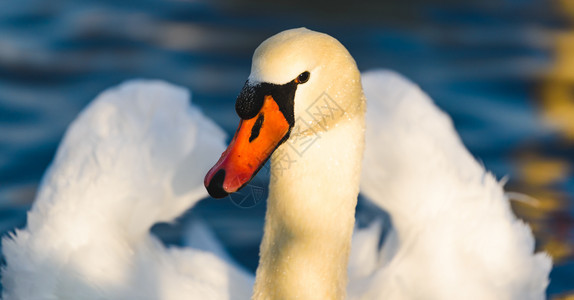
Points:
[(253, 143)]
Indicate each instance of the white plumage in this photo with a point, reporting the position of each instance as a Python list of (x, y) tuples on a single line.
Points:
[(136, 156), (454, 235)]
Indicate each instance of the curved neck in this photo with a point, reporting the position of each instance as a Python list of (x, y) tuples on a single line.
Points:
[(311, 214)]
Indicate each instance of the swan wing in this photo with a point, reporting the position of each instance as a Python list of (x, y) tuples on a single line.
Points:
[(454, 234), (134, 157)]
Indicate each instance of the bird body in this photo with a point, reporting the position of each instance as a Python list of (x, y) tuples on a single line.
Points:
[(136, 156)]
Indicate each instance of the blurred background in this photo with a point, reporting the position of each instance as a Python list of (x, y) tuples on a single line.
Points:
[(503, 69)]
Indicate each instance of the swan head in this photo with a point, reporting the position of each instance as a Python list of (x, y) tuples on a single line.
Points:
[(302, 82)]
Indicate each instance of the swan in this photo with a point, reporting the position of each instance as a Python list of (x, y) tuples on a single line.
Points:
[(134, 157), (454, 235)]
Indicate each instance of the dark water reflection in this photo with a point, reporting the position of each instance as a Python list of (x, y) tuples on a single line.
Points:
[(504, 70)]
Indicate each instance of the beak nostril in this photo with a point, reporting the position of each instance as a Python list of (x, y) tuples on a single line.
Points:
[(256, 128), (215, 187)]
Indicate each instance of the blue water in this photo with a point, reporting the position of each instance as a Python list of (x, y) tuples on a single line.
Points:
[(481, 61)]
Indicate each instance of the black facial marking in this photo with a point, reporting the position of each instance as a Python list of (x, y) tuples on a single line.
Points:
[(249, 101), (256, 128), (251, 97)]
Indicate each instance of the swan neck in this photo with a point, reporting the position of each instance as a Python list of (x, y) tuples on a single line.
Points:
[(310, 215)]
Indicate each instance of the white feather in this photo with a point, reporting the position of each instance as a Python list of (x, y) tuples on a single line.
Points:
[(136, 156), (454, 232)]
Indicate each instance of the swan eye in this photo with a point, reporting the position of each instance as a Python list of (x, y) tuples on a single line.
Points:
[(302, 78)]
